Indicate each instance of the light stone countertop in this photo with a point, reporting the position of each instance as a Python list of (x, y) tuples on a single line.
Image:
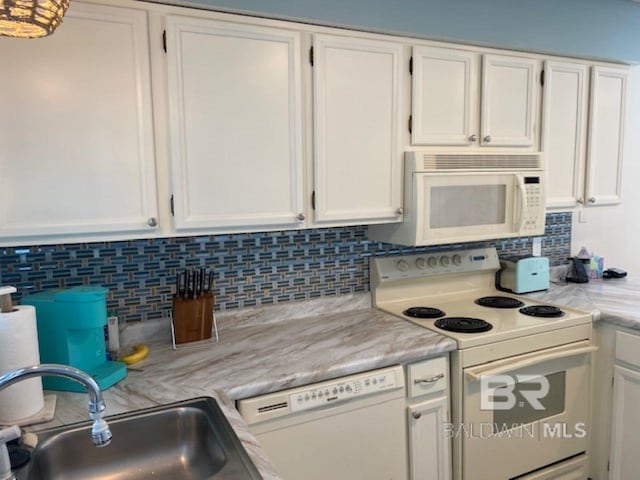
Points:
[(615, 300), (263, 350)]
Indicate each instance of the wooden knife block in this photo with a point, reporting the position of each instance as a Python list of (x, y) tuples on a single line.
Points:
[(193, 318)]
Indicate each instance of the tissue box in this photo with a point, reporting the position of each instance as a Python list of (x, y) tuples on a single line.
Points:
[(596, 266)]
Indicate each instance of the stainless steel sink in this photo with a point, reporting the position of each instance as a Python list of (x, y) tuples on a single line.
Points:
[(190, 439)]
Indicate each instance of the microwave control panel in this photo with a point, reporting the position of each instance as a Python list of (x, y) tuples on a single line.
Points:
[(534, 204)]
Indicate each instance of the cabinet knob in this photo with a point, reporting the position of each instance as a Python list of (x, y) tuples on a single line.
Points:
[(487, 139), (399, 211), (301, 217), (592, 199), (153, 222), (580, 201), (473, 138), (416, 415)]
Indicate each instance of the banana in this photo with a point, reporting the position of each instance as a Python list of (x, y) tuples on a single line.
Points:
[(140, 351)]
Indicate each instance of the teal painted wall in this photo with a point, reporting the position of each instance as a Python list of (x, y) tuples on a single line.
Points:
[(608, 29)]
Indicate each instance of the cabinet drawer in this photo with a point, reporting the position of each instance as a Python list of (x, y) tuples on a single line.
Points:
[(628, 348), (427, 376)]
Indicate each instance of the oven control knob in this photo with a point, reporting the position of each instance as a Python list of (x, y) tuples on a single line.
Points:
[(444, 261), (433, 262), (421, 263), (457, 259), (402, 265)]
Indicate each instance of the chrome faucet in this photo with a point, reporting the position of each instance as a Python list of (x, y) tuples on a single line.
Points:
[(100, 433)]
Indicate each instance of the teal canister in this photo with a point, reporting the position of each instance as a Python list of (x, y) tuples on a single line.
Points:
[(71, 331)]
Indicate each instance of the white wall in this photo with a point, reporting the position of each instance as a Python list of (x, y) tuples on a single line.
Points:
[(614, 232), (605, 29)]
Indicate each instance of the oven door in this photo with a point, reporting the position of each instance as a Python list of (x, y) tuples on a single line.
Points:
[(526, 412), (467, 206)]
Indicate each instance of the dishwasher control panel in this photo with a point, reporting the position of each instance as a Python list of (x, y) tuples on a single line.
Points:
[(342, 389)]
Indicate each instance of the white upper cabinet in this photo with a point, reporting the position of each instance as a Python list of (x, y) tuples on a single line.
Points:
[(509, 101), (606, 135), (76, 134), (564, 136), (453, 106), (357, 149), (445, 96), (235, 125)]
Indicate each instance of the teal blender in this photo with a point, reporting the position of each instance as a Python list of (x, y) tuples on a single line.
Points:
[(71, 331)]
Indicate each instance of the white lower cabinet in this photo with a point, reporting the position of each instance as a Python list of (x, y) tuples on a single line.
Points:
[(624, 462), (428, 446), (625, 441), (427, 417)]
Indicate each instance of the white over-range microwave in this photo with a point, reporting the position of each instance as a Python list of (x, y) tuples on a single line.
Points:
[(464, 197)]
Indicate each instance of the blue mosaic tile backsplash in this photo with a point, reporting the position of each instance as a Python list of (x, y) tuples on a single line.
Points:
[(249, 269)]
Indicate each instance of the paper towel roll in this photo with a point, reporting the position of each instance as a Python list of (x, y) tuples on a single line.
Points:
[(19, 348)]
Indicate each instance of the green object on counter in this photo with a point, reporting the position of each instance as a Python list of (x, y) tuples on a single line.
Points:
[(71, 331)]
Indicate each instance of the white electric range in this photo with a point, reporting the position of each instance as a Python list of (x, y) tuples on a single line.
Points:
[(536, 358)]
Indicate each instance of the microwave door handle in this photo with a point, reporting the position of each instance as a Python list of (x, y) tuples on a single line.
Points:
[(509, 367), (521, 203)]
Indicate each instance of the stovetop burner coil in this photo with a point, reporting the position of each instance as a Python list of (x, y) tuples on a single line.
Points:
[(424, 312), (499, 302), (463, 324), (546, 311)]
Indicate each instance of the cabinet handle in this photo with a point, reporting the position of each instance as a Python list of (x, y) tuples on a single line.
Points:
[(399, 211), (487, 139), (592, 199), (473, 138), (580, 201), (152, 222), (433, 379), (416, 415), (301, 217)]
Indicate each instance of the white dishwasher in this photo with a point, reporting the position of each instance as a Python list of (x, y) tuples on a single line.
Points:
[(350, 428)]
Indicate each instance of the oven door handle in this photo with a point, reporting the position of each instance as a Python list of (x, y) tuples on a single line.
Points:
[(509, 367)]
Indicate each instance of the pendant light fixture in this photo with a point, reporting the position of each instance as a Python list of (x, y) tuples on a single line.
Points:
[(31, 18)]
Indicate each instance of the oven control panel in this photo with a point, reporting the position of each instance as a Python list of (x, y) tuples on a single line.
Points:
[(428, 264), (343, 389)]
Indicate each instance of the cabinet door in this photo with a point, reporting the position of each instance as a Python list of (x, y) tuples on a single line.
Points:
[(564, 120), (235, 124), (445, 97), (358, 157), (429, 447), (625, 441), (76, 138), (606, 135), (508, 101)]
